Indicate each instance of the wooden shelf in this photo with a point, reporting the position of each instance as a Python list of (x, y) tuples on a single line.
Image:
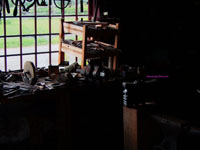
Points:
[(89, 30), (109, 50), (71, 49), (92, 29)]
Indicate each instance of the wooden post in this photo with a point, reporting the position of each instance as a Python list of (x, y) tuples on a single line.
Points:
[(116, 45), (141, 132), (61, 38), (130, 119), (84, 46)]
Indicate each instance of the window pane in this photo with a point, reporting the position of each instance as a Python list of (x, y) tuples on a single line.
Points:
[(1, 46), (43, 43), (70, 37), (55, 24), (55, 41), (31, 9), (13, 63), (2, 66), (28, 41), (54, 58), (42, 10), (1, 28), (43, 25), (28, 58), (55, 10), (70, 10), (28, 26), (12, 26), (69, 18), (28, 44), (71, 58), (12, 42), (43, 60)]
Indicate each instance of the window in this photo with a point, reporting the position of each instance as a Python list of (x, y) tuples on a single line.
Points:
[(34, 35)]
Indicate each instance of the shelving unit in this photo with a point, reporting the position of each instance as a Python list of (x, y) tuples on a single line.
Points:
[(91, 45)]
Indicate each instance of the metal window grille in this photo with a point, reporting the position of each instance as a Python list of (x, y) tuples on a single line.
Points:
[(31, 36)]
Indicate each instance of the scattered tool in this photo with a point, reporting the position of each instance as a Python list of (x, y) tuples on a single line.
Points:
[(71, 67), (29, 74)]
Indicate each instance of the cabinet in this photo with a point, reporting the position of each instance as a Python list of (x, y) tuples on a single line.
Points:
[(91, 44)]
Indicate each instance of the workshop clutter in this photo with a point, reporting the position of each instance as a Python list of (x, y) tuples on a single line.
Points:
[(32, 79)]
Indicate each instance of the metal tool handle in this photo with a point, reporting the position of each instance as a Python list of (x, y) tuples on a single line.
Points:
[(15, 9), (81, 5), (7, 6)]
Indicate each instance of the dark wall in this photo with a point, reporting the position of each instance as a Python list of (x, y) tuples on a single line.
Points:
[(161, 35)]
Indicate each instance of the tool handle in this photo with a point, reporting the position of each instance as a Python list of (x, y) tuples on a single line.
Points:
[(15, 9), (81, 5), (7, 6), (1, 6)]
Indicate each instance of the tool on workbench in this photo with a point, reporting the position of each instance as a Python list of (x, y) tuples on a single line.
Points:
[(72, 67), (29, 74), (53, 72)]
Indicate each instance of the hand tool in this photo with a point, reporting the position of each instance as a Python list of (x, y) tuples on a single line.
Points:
[(81, 5), (7, 6), (15, 9)]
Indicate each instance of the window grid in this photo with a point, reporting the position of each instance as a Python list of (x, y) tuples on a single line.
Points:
[(36, 35)]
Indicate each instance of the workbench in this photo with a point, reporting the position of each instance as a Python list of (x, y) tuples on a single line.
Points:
[(51, 105), (83, 113)]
